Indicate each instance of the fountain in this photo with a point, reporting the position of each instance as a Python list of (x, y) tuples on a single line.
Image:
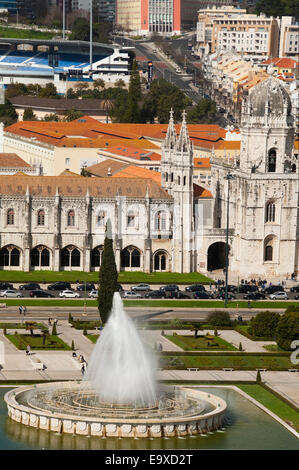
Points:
[(119, 396)]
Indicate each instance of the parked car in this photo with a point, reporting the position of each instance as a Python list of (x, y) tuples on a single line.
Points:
[(120, 288), (31, 286), (170, 287), (272, 289), (296, 297), (59, 286), (88, 286), (195, 288), (278, 296), (40, 293), (10, 293), (69, 294), (201, 295), (141, 287), (221, 296), (5, 286), (244, 289), (132, 295), (254, 296), (93, 294), (294, 289), (155, 294)]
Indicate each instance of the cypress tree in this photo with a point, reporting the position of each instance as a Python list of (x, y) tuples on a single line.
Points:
[(108, 278), (132, 113)]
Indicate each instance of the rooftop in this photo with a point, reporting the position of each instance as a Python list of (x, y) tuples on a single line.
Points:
[(12, 160)]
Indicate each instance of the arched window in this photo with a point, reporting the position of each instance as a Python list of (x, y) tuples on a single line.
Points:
[(179, 180), (40, 256), (70, 257), (131, 219), (41, 217), (270, 212), (10, 256), (166, 177), (130, 258), (268, 253), (184, 181), (96, 256), (10, 219), (171, 177), (160, 220), (271, 164), (101, 219), (71, 218), (160, 261)]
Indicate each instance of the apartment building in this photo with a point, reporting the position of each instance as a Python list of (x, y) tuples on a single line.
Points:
[(289, 38), (204, 27), (251, 35)]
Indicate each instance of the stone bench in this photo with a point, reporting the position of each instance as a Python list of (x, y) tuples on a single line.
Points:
[(36, 362), (227, 369), (261, 370), (293, 370), (192, 369)]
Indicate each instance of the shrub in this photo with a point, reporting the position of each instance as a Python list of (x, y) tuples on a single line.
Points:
[(287, 329), (85, 332), (258, 377), (264, 324), (219, 318), (54, 330), (240, 347), (73, 345), (70, 318)]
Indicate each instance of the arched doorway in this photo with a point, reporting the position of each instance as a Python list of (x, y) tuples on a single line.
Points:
[(96, 256), (216, 256)]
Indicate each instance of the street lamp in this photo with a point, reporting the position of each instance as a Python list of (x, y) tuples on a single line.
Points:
[(228, 177)]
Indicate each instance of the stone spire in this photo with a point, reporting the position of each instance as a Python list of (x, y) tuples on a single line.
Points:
[(183, 143), (171, 136)]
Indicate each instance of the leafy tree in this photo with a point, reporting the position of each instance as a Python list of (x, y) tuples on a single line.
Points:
[(48, 91), (108, 277), (219, 318), (287, 329), (99, 84), (80, 30), (8, 114), (72, 114), (120, 83), (264, 324), (51, 117), (29, 115), (277, 7), (132, 113), (71, 94), (205, 111)]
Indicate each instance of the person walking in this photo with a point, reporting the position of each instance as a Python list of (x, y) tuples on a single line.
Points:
[(83, 369), (28, 349), (24, 310), (20, 310)]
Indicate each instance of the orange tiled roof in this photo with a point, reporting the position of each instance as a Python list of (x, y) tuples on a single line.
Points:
[(11, 160), (282, 62), (200, 192), (228, 145), (135, 153), (201, 163), (133, 171), (72, 186), (102, 168)]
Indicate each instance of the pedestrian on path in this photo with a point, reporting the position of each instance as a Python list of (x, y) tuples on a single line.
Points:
[(28, 349), (24, 310), (83, 369), (20, 310)]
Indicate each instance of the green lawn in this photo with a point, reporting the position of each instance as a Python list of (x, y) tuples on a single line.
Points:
[(273, 403), (146, 303), (24, 33), (220, 361), (18, 326), (92, 337), (124, 277), (201, 343), (36, 342)]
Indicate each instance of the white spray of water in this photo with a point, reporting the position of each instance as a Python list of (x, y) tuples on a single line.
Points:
[(120, 369)]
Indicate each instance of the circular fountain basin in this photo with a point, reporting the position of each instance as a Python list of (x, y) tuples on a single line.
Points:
[(66, 407)]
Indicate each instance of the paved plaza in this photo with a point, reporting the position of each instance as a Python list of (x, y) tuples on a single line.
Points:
[(60, 365)]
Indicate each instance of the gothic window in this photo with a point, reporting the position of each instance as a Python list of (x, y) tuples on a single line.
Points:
[(271, 164), (41, 217), (130, 258), (171, 177), (101, 219), (166, 177), (160, 261), (160, 220), (179, 180), (71, 218), (184, 181), (270, 212), (97, 256), (40, 256), (269, 248), (10, 217), (70, 257), (9, 256), (131, 219)]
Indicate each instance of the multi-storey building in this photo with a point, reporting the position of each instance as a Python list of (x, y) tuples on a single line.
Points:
[(289, 38), (155, 16), (251, 35)]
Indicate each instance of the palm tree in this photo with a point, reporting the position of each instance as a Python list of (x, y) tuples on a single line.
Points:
[(99, 84), (107, 106)]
